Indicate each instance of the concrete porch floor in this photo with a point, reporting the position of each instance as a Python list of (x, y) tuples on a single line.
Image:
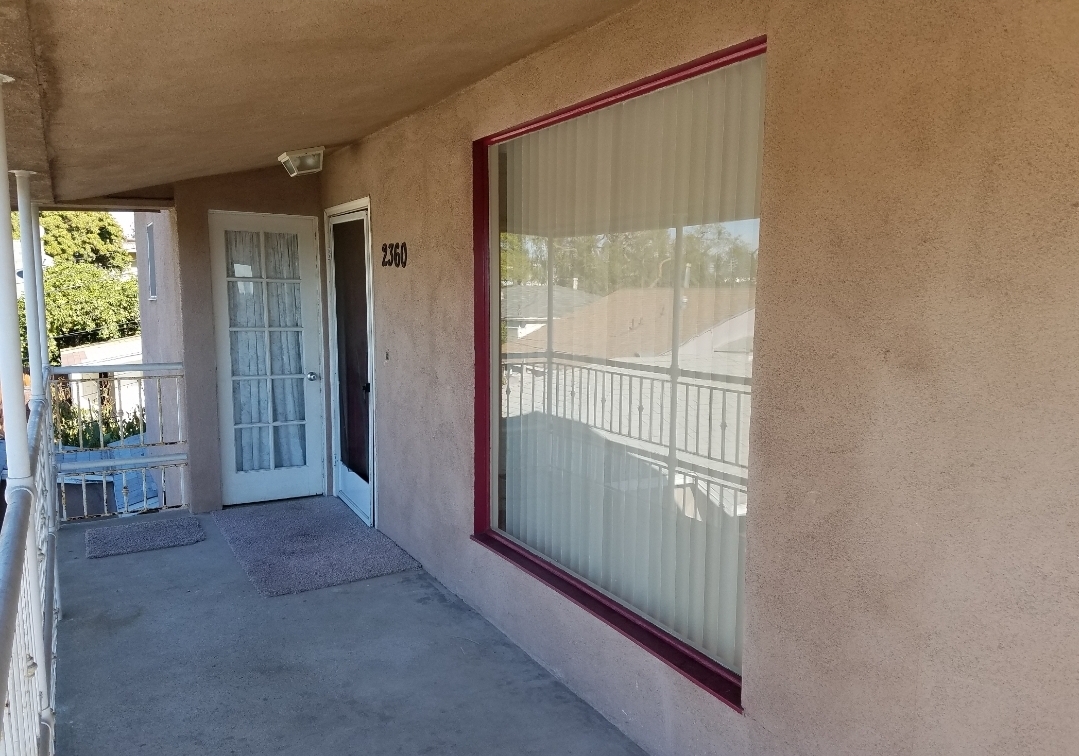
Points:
[(174, 652)]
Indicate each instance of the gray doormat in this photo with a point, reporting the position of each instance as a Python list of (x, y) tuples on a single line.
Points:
[(143, 536), (304, 544)]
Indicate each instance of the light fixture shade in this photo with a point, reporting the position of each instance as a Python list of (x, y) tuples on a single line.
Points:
[(301, 162)]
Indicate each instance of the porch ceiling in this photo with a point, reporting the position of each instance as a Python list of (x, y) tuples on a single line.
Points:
[(140, 94), (22, 100)]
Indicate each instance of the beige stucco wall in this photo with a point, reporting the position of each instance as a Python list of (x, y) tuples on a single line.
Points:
[(264, 191), (161, 326), (912, 578), (161, 322)]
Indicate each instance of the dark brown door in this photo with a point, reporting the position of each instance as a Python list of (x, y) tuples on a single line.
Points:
[(350, 288)]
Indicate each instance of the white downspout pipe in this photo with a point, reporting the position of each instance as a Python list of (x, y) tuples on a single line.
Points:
[(39, 257), (30, 284), (11, 387)]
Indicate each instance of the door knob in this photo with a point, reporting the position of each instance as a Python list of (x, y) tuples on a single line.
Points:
[(312, 376)]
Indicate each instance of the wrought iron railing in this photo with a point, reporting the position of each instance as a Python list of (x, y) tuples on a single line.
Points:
[(121, 445), (637, 403)]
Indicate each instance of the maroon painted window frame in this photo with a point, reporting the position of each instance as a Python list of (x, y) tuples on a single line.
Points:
[(697, 666)]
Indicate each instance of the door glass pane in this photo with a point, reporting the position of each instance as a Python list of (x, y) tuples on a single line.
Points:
[(288, 402), (242, 254), (248, 352), (250, 402), (253, 448), (627, 246), (350, 289), (290, 446), (283, 305), (246, 308), (263, 271), (286, 352), (282, 256)]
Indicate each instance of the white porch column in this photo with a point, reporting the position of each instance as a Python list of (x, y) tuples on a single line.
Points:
[(11, 389), (30, 284), (39, 257)]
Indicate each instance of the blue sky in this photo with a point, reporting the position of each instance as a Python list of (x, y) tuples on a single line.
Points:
[(127, 221), (748, 230)]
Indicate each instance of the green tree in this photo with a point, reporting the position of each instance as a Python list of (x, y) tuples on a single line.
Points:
[(644, 259), (516, 263), (81, 236), (716, 258), (87, 303), (87, 297)]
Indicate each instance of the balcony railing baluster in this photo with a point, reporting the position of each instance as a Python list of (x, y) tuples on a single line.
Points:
[(112, 425)]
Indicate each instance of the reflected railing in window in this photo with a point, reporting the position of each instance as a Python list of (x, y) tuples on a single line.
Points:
[(586, 484), (634, 402)]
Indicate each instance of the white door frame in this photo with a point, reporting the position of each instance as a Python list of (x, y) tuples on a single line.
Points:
[(348, 211), (316, 326)]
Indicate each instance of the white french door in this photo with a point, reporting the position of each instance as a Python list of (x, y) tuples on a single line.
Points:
[(267, 317)]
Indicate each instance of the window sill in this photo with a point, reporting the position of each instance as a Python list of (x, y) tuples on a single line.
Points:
[(720, 682)]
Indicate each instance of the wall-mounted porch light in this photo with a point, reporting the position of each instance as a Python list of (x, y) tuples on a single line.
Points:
[(301, 162)]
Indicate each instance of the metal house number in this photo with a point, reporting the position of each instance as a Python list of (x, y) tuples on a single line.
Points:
[(395, 255)]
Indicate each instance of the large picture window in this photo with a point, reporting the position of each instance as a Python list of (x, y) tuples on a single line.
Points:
[(623, 256)]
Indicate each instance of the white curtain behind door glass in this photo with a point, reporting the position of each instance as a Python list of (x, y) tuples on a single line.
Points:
[(247, 349), (266, 349), (628, 243), (286, 348)]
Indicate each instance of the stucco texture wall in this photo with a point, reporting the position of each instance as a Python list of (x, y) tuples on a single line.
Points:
[(912, 575), (160, 319), (161, 326), (264, 191)]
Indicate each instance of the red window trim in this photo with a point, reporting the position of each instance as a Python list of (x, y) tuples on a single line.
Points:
[(698, 667)]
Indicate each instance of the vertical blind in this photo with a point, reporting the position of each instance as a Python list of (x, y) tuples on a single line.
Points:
[(626, 371)]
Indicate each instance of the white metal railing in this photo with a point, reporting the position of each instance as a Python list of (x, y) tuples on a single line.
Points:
[(29, 592), (54, 457), (27, 537), (121, 446), (29, 605)]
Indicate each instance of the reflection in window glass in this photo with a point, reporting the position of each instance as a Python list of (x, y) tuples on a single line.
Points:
[(627, 246)]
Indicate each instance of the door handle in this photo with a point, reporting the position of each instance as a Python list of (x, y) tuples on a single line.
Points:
[(367, 387), (312, 376)]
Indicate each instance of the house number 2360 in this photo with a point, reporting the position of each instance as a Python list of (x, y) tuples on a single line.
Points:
[(395, 255)]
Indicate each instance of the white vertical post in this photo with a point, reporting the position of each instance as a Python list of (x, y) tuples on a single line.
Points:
[(39, 255), (11, 388), (30, 284)]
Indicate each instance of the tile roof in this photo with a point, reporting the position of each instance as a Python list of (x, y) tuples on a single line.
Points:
[(632, 323)]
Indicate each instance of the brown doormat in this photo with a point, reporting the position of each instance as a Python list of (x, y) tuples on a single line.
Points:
[(143, 536), (303, 544)]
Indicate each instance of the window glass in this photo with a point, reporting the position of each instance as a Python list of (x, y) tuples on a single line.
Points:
[(627, 244)]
